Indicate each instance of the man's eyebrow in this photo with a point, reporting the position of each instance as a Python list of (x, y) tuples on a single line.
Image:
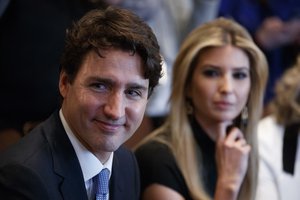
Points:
[(135, 85), (99, 79)]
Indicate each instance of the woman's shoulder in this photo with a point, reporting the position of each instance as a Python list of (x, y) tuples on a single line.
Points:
[(158, 165), (269, 129), (270, 135), (153, 151)]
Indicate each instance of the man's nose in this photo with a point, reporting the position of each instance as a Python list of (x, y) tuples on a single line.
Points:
[(114, 108)]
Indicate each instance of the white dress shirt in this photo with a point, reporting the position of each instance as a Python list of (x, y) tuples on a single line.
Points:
[(89, 163)]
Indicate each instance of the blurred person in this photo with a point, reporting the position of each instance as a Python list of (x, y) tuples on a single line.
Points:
[(279, 141), (275, 26), (207, 148), (101, 109)]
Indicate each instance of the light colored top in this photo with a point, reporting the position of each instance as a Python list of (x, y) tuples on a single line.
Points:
[(273, 182), (89, 163)]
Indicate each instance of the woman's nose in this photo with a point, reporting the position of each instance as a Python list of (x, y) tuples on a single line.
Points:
[(226, 84)]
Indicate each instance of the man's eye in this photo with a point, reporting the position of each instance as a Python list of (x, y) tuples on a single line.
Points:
[(134, 93), (210, 73), (98, 86)]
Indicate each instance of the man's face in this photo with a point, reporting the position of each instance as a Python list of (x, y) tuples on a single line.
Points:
[(106, 102)]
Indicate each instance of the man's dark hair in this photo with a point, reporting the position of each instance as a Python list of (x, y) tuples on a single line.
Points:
[(112, 28)]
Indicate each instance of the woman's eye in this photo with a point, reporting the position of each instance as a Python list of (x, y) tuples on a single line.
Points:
[(210, 73), (240, 75)]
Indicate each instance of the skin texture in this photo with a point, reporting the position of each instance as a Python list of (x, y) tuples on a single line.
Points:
[(219, 90), (105, 104)]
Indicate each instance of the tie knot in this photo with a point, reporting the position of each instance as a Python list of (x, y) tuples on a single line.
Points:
[(101, 183)]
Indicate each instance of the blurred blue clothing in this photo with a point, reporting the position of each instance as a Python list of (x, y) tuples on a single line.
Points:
[(251, 14)]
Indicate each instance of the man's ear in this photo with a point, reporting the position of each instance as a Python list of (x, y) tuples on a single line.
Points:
[(63, 84)]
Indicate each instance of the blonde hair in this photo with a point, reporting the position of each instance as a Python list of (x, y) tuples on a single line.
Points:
[(177, 133), (286, 104)]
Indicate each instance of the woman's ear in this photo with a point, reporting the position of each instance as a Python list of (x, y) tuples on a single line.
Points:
[(188, 91)]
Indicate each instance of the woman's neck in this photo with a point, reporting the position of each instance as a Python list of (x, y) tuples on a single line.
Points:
[(213, 128)]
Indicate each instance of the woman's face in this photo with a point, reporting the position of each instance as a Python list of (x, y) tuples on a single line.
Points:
[(220, 84)]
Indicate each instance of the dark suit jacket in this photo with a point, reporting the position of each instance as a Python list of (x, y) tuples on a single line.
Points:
[(44, 166)]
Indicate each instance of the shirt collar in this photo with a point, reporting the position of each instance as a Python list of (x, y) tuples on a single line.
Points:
[(89, 163)]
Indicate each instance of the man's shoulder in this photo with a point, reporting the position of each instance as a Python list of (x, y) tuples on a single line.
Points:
[(28, 146), (123, 153), (31, 149)]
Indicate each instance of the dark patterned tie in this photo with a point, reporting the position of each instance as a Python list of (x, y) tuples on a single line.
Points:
[(101, 184)]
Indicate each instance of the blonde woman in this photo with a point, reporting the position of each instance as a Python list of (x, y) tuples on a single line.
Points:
[(207, 148), (279, 141)]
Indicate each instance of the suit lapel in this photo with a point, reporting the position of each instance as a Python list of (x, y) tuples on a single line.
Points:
[(117, 184), (66, 164)]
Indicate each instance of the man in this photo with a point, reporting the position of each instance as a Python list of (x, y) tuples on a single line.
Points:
[(109, 68)]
